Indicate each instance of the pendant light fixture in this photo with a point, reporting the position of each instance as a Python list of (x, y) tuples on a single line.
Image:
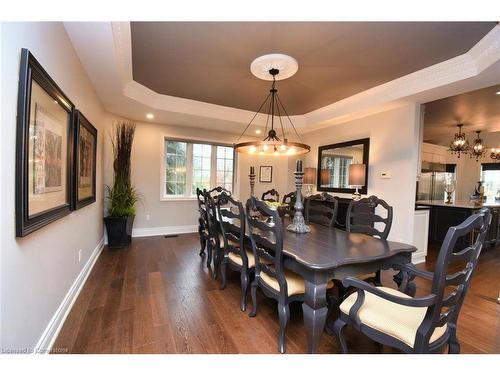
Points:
[(495, 154), (478, 149), (276, 141), (459, 145)]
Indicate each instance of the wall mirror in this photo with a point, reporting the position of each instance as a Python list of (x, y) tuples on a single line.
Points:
[(333, 165)]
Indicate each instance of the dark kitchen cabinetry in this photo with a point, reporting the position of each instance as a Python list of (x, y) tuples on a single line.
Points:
[(444, 217)]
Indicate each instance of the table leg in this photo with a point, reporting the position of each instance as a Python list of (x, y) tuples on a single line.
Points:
[(315, 312)]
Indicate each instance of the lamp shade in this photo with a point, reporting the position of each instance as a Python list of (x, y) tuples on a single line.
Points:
[(325, 176), (309, 176), (357, 173)]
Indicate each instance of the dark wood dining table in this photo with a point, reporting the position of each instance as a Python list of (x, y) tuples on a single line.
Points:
[(326, 254), (329, 253)]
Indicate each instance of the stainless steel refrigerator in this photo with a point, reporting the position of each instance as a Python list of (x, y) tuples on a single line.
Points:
[(432, 181)]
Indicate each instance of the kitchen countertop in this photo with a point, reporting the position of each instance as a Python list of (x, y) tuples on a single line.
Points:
[(458, 204)]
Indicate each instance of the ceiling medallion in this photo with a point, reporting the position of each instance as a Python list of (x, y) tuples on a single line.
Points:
[(478, 149), (273, 67), (459, 145)]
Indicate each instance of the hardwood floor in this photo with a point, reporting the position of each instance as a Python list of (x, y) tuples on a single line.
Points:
[(157, 296)]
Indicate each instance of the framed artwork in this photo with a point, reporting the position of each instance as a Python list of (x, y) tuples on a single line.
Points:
[(85, 161), (44, 149), (266, 173)]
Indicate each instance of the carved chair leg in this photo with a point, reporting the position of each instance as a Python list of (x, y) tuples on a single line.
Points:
[(284, 315), (217, 261), (209, 253), (253, 292), (203, 244), (338, 327), (244, 290), (223, 273), (453, 344)]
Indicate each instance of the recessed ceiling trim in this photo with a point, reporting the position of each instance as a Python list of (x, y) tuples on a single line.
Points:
[(483, 55)]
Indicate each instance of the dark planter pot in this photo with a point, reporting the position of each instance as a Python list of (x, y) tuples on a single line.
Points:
[(119, 230)]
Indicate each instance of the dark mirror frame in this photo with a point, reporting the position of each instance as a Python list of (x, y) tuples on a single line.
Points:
[(31, 70), (366, 159)]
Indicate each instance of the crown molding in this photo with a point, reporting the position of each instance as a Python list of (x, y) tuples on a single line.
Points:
[(416, 87)]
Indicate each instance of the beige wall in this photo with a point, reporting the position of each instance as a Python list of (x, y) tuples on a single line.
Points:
[(38, 270), (394, 143), (147, 157)]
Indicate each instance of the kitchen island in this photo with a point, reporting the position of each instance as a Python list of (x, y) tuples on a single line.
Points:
[(444, 215)]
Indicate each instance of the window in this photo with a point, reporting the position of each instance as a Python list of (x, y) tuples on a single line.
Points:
[(490, 176), (225, 167), (190, 165)]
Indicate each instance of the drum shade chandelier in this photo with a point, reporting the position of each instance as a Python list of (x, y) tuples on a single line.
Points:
[(459, 145), (276, 142)]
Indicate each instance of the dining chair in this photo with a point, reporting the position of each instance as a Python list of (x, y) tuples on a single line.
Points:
[(422, 324), (266, 237), (235, 254), (217, 191), (202, 220), (271, 196), (289, 200), (213, 240), (361, 217), (321, 209)]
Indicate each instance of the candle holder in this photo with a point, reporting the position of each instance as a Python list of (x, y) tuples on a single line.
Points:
[(252, 184), (298, 225)]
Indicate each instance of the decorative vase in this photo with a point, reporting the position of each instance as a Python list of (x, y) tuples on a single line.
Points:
[(119, 231)]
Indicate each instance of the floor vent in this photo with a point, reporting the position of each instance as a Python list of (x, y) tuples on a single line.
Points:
[(171, 235)]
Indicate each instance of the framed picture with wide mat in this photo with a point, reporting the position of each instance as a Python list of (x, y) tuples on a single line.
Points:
[(85, 161), (44, 149)]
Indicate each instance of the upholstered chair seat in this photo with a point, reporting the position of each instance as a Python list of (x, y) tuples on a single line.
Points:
[(393, 319), (294, 282), (235, 258)]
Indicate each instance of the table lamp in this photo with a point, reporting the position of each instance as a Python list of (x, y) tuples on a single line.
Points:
[(309, 180), (357, 173)]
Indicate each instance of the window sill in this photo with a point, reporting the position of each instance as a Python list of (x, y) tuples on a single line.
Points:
[(177, 199)]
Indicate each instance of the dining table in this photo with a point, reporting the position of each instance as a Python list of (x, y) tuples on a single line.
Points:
[(326, 254)]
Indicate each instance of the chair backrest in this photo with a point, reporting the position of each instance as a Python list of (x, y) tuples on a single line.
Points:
[(290, 199), (212, 221), (322, 209), (217, 191), (448, 284), (361, 217), (232, 223), (271, 196), (266, 237), (202, 208)]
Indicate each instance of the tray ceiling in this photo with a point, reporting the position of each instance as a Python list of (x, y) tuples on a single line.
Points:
[(210, 62), (477, 110)]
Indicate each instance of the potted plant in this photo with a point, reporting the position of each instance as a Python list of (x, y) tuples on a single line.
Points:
[(122, 196)]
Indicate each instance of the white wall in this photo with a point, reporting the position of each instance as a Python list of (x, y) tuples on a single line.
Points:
[(147, 154), (394, 145), (38, 270)]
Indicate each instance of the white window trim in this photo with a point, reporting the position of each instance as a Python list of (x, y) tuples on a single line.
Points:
[(189, 167)]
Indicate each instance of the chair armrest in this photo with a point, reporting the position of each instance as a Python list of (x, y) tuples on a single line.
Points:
[(410, 268), (426, 301)]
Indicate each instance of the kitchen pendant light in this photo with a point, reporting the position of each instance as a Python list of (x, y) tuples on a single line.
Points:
[(478, 149), (276, 142), (459, 145)]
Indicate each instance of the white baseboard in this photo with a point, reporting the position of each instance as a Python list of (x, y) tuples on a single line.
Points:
[(161, 231), (50, 334)]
